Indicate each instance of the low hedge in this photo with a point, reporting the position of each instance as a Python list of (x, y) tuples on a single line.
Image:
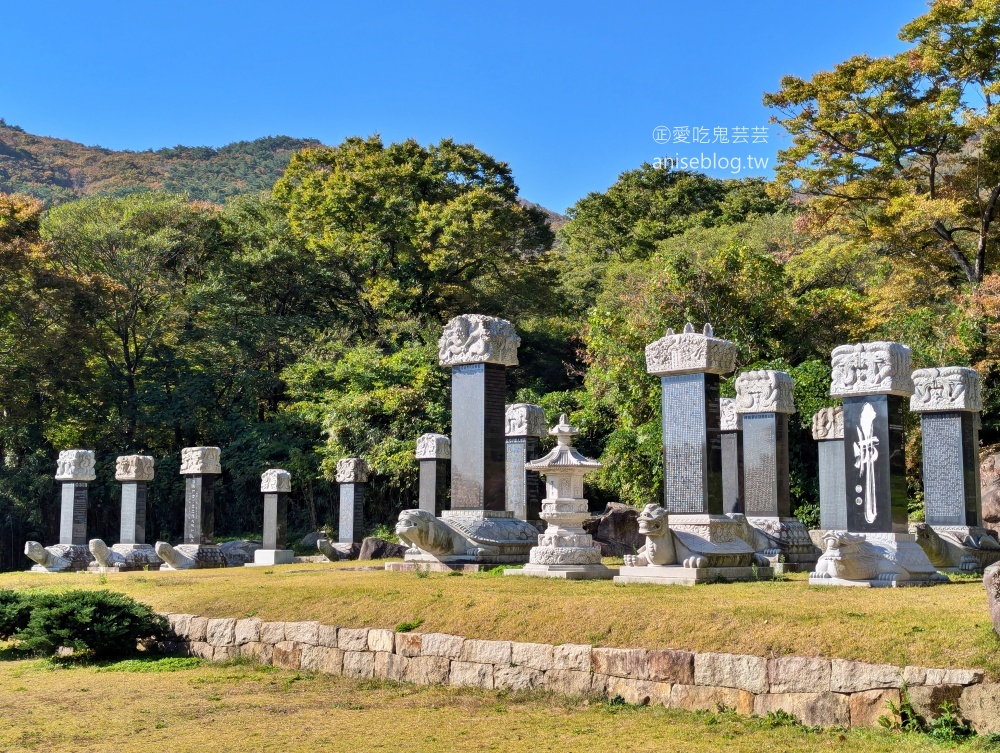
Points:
[(96, 624)]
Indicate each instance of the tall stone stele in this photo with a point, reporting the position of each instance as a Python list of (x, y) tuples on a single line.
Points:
[(949, 401), (478, 529), (731, 427), (131, 552), (689, 540), (200, 466), (764, 401), (75, 469), (434, 457), (275, 485), (352, 476), (524, 427), (873, 379), (828, 431), (565, 550)]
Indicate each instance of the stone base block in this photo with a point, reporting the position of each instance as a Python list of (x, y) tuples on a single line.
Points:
[(263, 557), (874, 560), (677, 575), (566, 572), (437, 566), (814, 580)]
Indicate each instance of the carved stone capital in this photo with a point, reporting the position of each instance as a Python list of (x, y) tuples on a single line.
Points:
[(828, 423), (878, 368), (433, 447), (525, 420), (352, 471), (729, 419), (76, 465), (946, 388), (134, 468), (690, 352), (475, 338), (275, 481), (764, 392), (199, 460)]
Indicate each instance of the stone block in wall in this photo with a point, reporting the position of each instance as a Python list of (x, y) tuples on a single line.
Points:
[(571, 656), (953, 677), (408, 644), (302, 632), (359, 664), (739, 671), (287, 655), (914, 675), (180, 625), (638, 692), (670, 666), (272, 632), (568, 682), (710, 698), (327, 636), (351, 639), (619, 662), (221, 631), (813, 709), (855, 676), (798, 674), (981, 707), (486, 652), (428, 670), (200, 649), (927, 699), (381, 640), (442, 644), (197, 629), (390, 666), (868, 705), (225, 653), (262, 653), (467, 674), (246, 631), (532, 655), (517, 678)]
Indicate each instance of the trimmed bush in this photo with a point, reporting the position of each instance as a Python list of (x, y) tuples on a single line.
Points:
[(99, 624), (15, 609)]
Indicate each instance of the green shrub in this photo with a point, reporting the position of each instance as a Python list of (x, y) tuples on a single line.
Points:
[(98, 624), (15, 609)]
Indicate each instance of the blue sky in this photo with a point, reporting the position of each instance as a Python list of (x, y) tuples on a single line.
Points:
[(568, 93)]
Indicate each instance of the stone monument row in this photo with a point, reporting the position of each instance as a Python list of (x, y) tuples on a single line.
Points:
[(434, 456), (873, 379), (478, 529), (131, 552), (564, 550), (75, 469), (949, 401), (200, 466), (689, 540)]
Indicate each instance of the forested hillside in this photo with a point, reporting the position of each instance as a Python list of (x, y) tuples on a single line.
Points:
[(56, 170), (296, 325)]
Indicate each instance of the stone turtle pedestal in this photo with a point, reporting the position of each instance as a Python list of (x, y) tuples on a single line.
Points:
[(876, 549), (200, 466), (131, 552), (564, 550), (275, 485), (75, 469), (764, 403)]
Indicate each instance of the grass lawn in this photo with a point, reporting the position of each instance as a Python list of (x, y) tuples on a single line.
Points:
[(241, 707), (941, 626)]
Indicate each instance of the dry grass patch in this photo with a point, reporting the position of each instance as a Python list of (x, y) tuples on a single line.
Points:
[(942, 626), (243, 707)]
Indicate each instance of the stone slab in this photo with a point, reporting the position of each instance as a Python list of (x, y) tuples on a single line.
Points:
[(269, 557), (690, 576), (566, 572)]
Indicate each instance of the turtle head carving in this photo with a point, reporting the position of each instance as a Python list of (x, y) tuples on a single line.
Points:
[(653, 521)]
